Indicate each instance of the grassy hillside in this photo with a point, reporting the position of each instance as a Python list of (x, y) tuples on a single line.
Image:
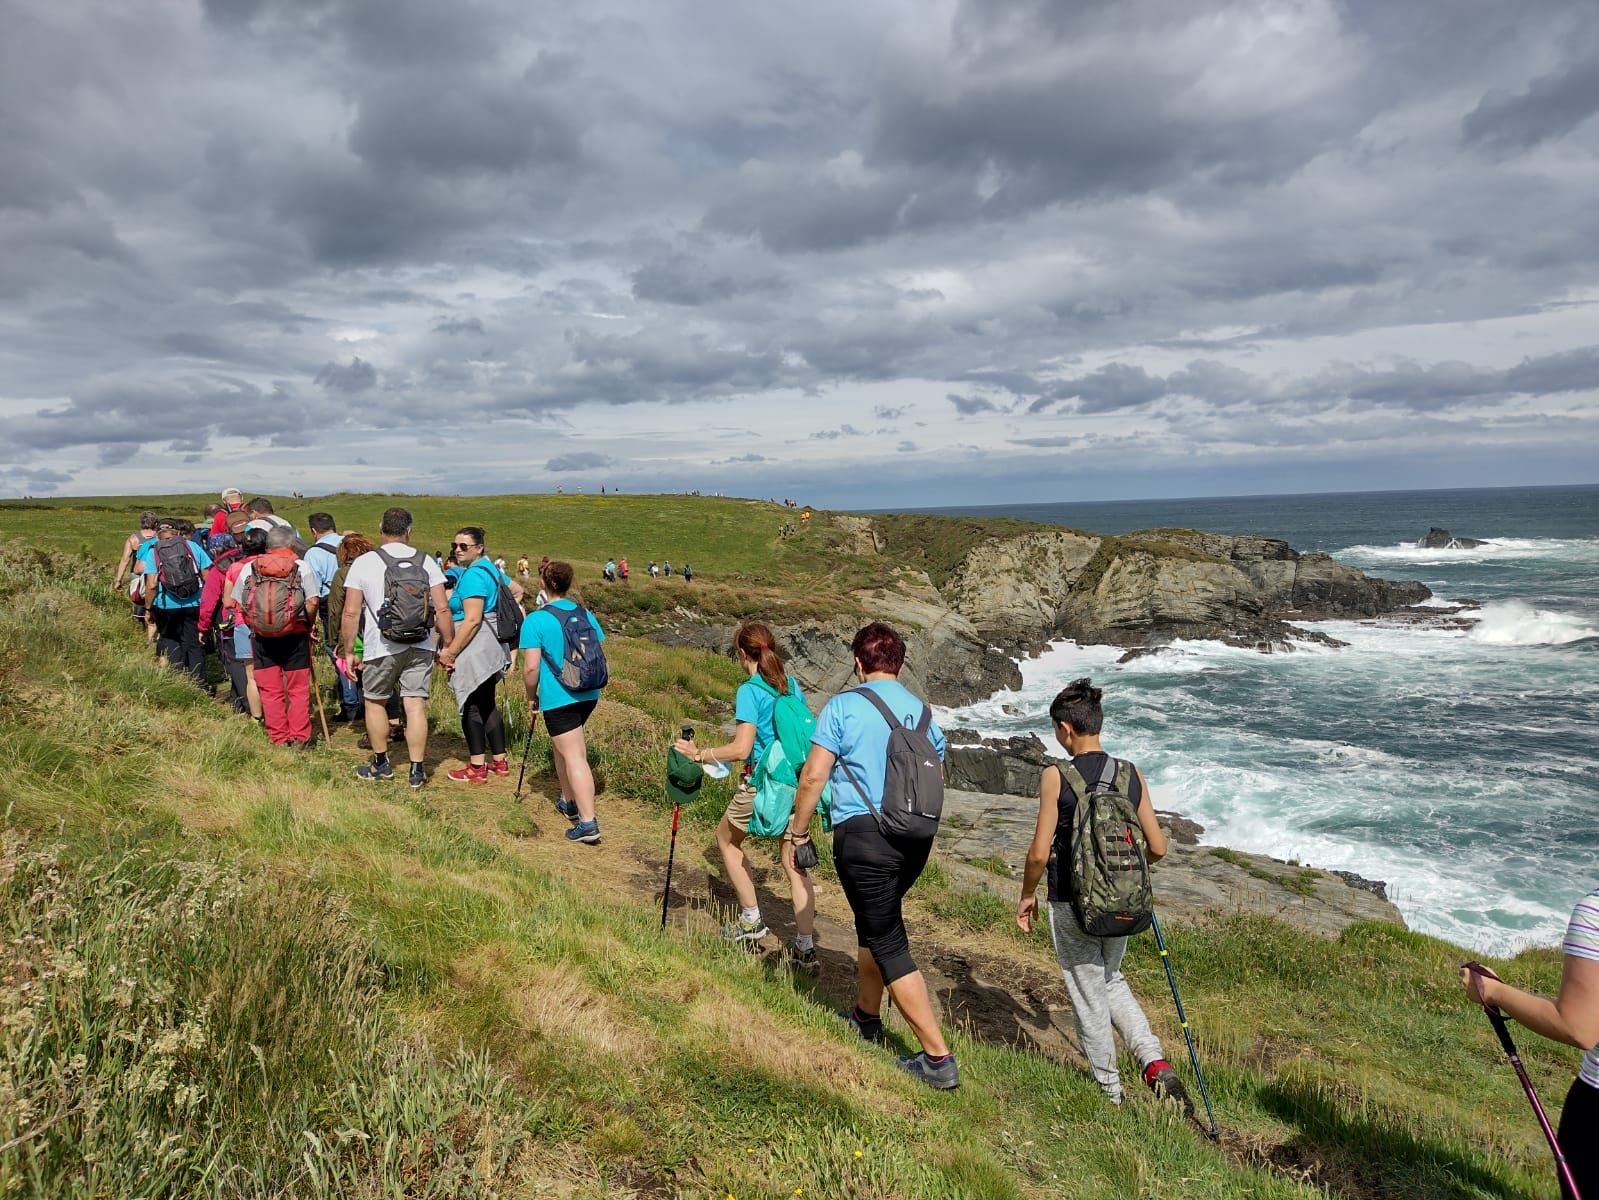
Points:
[(234, 971)]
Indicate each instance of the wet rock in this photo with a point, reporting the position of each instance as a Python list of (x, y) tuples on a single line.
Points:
[(1442, 539), (1002, 766)]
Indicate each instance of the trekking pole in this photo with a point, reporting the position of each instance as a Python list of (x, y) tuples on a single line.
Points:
[(666, 892), (316, 690), (1502, 1028), (526, 746), (1182, 1019)]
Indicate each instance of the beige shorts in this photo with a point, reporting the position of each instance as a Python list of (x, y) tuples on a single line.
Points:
[(741, 809), (411, 669)]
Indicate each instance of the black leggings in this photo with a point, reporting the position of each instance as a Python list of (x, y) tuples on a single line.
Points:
[(1579, 1138), (875, 873), (481, 722)]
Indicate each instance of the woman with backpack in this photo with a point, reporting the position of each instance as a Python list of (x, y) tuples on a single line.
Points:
[(252, 545), (877, 861), (1101, 999), (755, 707), (478, 656), (564, 670)]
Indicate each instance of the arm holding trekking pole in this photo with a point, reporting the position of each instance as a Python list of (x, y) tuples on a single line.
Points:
[(1572, 1017), (739, 748)]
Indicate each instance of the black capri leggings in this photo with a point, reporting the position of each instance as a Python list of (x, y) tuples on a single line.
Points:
[(481, 722), (1579, 1137), (875, 873)]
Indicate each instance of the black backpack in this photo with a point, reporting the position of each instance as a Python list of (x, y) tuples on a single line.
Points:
[(176, 569), (913, 782), (406, 616), (508, 613)]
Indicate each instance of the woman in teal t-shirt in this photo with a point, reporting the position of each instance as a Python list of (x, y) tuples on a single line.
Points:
[(565, 712), (475, 657), (754, 706)]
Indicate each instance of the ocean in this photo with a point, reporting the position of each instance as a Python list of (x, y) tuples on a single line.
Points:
[(1459, 766)]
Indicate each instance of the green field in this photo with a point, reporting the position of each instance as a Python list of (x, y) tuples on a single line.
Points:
[(234, 971)]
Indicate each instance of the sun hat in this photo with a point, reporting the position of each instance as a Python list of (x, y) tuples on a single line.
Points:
[(684, 777)]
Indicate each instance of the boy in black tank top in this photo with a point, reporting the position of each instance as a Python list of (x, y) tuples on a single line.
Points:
[(1102, 1002)]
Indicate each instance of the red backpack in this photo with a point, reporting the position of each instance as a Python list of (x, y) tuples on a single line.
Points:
[(274, 597)]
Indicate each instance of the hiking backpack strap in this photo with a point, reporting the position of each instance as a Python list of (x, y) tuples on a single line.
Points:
[(888, 713)]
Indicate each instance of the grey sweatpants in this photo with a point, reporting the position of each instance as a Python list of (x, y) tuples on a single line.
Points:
[(1100, 998)]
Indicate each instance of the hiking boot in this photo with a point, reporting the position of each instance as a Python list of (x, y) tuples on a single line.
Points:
[(376, 771), (567, 808), (418, 776), (802, 960), (1164, 1082), (945, 1076), (500, 767), (469, 774), (587, 832), (745, 931), (870, 1028)]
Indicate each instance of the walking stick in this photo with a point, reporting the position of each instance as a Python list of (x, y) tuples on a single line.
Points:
[(316, 690), (1502, 1029), (666, 892), (526, 746), (1182, 1019)]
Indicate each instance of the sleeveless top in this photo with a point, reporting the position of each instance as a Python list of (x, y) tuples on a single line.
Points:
[(1090, 766)]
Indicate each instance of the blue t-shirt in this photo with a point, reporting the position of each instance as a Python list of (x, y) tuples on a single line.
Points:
[(542, 632), (146, 565), (851, 728), (481, 580), (754, 705), (324, 565)]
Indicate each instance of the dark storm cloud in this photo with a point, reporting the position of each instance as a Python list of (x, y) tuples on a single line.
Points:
[(1019, 203)]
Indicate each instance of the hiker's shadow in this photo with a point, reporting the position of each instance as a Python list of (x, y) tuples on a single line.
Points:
[(834, 981), (993, 1013), (1358, 1156)]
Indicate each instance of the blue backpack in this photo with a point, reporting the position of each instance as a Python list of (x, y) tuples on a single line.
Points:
[(583, 667)]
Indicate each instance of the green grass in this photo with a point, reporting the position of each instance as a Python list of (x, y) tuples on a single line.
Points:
[(938, 544), (1301, 882), (279, 983)]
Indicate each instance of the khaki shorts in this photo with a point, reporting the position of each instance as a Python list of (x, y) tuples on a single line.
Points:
[(741, 809), (411, 669)]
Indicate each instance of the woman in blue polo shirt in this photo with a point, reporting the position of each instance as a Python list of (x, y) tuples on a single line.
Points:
[(475, 657), (565, 711), (850, 747)]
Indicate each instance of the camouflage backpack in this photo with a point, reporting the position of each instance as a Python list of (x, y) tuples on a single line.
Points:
[(1108, 882)]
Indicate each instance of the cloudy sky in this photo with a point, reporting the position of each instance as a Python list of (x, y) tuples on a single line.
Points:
[(865, 252)]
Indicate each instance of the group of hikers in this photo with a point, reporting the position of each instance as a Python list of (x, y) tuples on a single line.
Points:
[(869, 763)]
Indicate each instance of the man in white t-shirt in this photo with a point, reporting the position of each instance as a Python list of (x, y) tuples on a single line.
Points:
[(391, 656)]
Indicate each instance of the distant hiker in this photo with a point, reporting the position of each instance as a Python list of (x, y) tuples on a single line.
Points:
[(133, 547), (655, 569), (754, 735), (564, 670), (277, 597), (483, 600), (666, 567), (688, 573), (1571, 1018), (522, 564), (174, 577), (323, 555), (621, 568), (394, 602), (232, 502), (1091, 962), (610, 570), (880, 748)]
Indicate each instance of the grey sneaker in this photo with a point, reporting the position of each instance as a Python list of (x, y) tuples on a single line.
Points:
[(802, 960), (418, 776), (944, 1076), (587, 832), (745, 931), (870, 1028)]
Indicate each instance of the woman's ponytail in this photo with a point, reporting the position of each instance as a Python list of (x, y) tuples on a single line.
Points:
[(755, 641)]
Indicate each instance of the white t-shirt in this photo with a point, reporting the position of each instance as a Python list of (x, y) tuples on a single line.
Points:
[(366, 574), (307, 579), (1582, 941)]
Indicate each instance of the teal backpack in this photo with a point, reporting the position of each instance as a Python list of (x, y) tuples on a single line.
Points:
[(777, 774)]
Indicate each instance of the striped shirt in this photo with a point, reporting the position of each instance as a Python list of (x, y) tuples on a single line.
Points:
[(1582, 941)]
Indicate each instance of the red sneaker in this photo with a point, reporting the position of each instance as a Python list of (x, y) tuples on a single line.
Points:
[(469, 774), (500, 767)]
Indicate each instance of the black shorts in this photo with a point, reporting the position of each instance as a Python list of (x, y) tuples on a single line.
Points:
[(875, 872), (568, 717), (1579, 1122), (289, 653)]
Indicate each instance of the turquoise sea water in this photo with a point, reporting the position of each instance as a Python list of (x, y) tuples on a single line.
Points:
[(1457, 765)]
